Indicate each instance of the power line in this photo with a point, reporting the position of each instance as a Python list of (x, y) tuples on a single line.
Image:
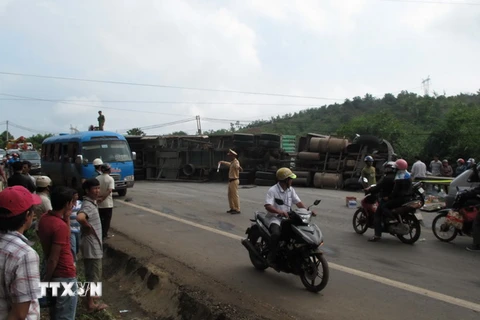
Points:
[(10, 123), (167, 86), (434, 2), (90, 106)]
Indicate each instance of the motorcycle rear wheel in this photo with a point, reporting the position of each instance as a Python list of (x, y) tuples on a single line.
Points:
[(256, 239), (310, 272), (415, 230), (440, 233), (360, 221)]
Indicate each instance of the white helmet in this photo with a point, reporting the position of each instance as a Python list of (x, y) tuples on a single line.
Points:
[(97, 162), (43, 181)]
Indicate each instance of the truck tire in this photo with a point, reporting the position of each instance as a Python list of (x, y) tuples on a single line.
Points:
[(243, 137), (265, 175), (269, 144), (264, 182), (270, 137)]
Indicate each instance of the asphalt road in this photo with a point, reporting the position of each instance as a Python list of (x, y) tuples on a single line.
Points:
[(384, 280)]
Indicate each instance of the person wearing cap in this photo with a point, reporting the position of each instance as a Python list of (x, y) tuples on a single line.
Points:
[(233, 181), (105, 201), (91, 244), (19, 263), (97, 164), (19, 179), (461, 167), (54, 234), (43, 191), (284, 191)]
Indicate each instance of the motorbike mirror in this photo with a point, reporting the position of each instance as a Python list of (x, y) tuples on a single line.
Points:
[(279, 202), (365, 180), (316, 202)]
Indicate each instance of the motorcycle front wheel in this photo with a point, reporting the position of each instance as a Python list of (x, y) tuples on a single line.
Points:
[(312, 266), (441, 230), (414, 230), (256, 239), (360, 221)]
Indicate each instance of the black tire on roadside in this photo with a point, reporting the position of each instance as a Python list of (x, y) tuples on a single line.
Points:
[(243, 137), (265, 175), (264, 182), (269, 144), (270, 137)]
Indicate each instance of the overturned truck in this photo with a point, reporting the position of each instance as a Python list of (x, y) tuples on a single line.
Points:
[(319, 160)]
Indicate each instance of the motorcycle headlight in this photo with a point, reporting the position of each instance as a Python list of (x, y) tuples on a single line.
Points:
[(130, 178), (305, 218)]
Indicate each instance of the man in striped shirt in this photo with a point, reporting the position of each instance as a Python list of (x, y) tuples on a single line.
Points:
[(91, 244), (19, 263)]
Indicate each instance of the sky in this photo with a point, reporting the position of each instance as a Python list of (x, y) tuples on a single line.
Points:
[(320, 51)]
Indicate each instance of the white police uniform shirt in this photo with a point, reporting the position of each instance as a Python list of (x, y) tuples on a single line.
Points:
[(289, 198)]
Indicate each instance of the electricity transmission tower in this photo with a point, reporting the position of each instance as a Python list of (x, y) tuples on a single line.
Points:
[(426, 86)]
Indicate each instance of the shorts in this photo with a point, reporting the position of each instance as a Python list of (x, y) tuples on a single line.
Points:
[(93, 270)]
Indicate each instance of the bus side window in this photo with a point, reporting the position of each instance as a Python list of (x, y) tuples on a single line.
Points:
[(51, 148), (56, 152), (64, 153), (44, 152), (72, 151)]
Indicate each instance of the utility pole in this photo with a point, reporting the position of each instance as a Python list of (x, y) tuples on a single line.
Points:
[(199, 126), (7, 131), (426, 86)]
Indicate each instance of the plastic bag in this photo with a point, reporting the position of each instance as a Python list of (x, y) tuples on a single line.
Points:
[(454, 219)]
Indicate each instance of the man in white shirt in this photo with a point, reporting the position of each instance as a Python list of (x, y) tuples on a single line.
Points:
[(276, 212), (419, 169), (105, 200)]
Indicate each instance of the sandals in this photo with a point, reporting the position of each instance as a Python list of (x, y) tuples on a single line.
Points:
[(98, 307), (375, 239)]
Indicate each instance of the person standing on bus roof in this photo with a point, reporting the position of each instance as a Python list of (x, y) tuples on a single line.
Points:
[(97, 163), (101, 120)]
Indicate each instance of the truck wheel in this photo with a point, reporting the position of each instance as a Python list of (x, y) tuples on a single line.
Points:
[(122, 193)]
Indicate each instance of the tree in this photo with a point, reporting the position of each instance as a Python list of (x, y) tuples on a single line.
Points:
[(37, 139), (3, 138), (178, 133), (135, 132)]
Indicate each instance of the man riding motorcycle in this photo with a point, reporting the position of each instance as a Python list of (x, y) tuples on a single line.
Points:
[(282, 190), (472, 198), (384, 188), (399, 193)]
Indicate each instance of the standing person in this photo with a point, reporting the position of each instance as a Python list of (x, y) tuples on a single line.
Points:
[(91, 245), (461, 167), (470, 163), (43, 191), (54, 234), (3, 177), (368, 171), (19, 179), (105, 201), (419, 169), (27, 166), (75, 227), (436, 170), (233, 177), (446, 169), (97, 164), (101, 120), (19, 263)]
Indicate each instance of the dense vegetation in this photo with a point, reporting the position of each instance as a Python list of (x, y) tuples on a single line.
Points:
[(415, 125)]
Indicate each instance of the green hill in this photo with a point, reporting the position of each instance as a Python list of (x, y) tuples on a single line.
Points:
[(415, 125)]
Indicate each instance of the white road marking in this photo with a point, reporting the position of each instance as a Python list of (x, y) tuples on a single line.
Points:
[(396, 284)]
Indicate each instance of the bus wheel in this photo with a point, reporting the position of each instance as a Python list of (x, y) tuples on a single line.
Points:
[(122, 193)]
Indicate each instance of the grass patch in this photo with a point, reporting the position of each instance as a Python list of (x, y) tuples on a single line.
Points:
[(81, 310)]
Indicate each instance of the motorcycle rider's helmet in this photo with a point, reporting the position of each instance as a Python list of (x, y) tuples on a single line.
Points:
[(401, 164), (368, 159), (470, 161), (389, 166), (460, 160), (284, 174), (97, 162)]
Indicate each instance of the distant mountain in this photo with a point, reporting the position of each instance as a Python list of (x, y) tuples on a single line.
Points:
[(415, 125)]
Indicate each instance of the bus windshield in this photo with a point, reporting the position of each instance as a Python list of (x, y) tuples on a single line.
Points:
[(108, 151)]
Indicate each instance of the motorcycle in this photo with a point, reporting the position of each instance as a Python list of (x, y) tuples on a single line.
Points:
[(298, 251), (450, 223), (406, 227)]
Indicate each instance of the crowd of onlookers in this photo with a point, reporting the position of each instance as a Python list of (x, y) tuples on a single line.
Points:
[(66, 229)]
